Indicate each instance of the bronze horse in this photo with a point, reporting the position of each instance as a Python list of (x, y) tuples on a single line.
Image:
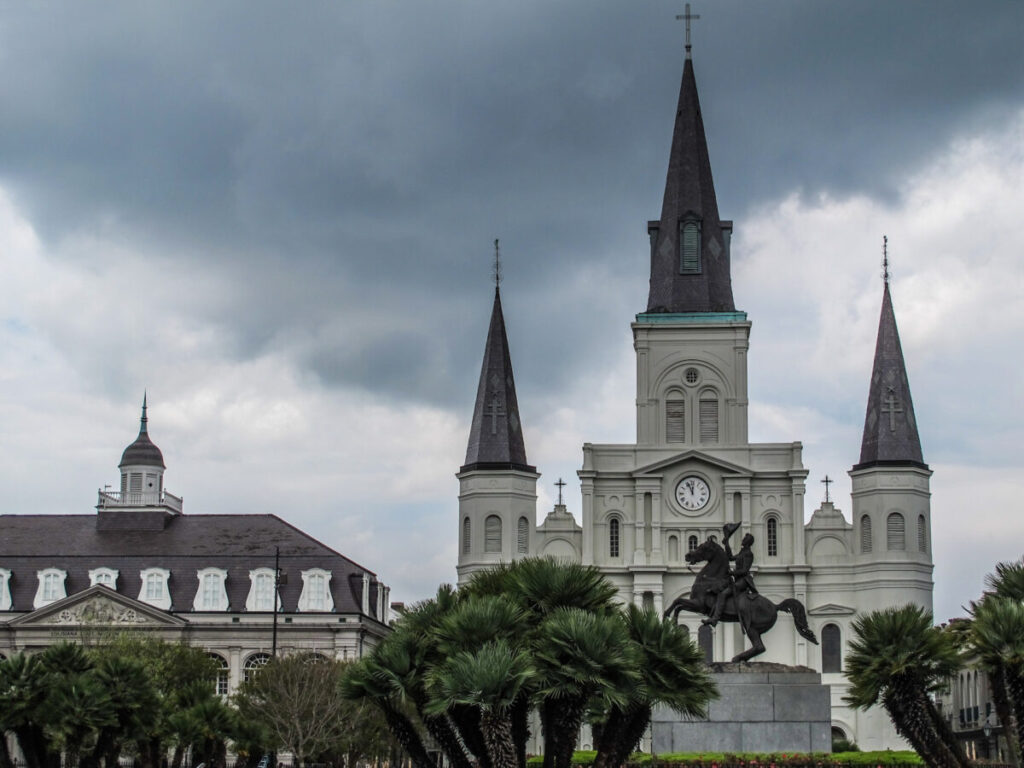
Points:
[(755, 613)]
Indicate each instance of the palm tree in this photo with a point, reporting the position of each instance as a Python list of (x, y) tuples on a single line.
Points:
[(133, 703), (898, 657), (491, 679), (22, 693), (997, 637), (672, 672), (77, 708)]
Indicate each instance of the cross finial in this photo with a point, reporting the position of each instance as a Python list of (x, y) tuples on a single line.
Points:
[(687, 16), (497, 264), (885, 259), (827, 481), (561, 485)]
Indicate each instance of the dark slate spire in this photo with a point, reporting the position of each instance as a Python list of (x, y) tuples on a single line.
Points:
[(142, 451), (496, 434), (696, 280), (890, 429)]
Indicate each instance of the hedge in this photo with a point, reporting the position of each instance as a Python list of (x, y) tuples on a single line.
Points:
[(887, 759)]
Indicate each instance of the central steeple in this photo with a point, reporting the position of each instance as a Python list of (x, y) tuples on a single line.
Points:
[(689, 243)]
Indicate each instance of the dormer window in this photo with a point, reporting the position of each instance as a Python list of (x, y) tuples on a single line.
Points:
[(212, 593), (261, 590), (51, 587), (154, 590), (316, 592), (105, 576), (5, 589), (689, 245)]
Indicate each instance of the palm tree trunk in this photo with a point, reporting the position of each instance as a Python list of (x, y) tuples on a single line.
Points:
[(406, 735), (497, 730), (467, 722), (945, 734), (521, 727), (5, 754), (563, 720), (1005, 713), (914, 725), (637, 720), (606, 736), (441, 729), (1015, 693)]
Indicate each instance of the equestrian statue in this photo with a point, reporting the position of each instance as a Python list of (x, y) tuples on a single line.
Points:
[(723, 594)]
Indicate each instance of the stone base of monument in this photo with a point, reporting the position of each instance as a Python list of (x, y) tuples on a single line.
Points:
[(762, 707)]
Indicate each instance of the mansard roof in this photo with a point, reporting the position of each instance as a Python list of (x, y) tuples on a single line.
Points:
[(890, 429), (496, 432), (689, 195), (236, 543)]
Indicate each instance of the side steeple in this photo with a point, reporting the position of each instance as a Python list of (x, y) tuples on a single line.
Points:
[(496, 433), (890, 429), (689, 244)]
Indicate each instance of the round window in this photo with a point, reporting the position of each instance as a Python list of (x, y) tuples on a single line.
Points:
[(691, 375)]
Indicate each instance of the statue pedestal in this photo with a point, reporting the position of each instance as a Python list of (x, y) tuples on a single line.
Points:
[(762, 707)]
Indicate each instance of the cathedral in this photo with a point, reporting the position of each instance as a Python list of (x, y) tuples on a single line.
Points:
[(693, 469)]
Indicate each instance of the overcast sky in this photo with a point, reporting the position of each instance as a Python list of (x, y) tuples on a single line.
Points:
[(279, 220)]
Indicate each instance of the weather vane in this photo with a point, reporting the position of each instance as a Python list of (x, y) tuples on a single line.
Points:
[(497, 264), (827, 481), (687, 16), (885, 259), (561, 485)]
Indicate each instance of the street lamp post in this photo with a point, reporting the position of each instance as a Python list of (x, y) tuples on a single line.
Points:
[(277, 583)]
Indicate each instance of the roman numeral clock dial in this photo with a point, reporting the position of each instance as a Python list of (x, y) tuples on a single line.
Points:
[(692, 493)]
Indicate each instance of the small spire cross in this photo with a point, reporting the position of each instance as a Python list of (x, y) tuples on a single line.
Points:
[(885, 259), (687, 16), (497, 264), (561, 485), (893, 408), (495, 410), (827, 481)]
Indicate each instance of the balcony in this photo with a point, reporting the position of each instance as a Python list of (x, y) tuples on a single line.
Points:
[(137, 499)]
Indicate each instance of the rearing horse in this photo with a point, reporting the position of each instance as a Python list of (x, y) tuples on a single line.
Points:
[(756, 614)]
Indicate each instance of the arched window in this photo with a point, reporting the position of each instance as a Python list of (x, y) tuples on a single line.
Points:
[(523, 537), (689, 246), (316, 594), (865, 534), (105, 576), (708, 415), (5, 589), (706, 642), (261, 590), (51, 587), (253, 665), (465, 536), (922, 534), (771, 536), (675, 421), (220, 683), (673, 548), (211, 594), (492, 534), (831, 649), (692, 543), (613, 537), (895, 532)]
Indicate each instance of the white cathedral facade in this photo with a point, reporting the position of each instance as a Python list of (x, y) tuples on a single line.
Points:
[(693, 468)]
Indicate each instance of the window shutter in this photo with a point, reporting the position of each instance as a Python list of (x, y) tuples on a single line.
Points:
[(895, 532), (492, 534), (709, 420), (613, 537), (691, 544), (831, 649), (865, 534), (465, 536), (689, 250), (772, 537), (922, 534), (524, 536), (675, 421)]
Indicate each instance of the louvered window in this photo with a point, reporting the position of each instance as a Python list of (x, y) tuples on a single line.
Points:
[(895, 532), (922, 534), (675, 421), (689, 248), (523, 539), (613, 537), (865, 534), (465, 536), (691, 544), (492, 534), (673, 548), (772, 536), (135, 482), (708, 419), (831, 649)]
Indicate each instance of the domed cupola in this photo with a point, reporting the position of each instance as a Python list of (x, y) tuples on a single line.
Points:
[(143, 452)]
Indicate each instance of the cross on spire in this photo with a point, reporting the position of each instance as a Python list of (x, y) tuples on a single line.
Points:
[(561, 485), (827, 481), (891, 406), (497, 264), (885, 259), (687, 16), (494, 411)]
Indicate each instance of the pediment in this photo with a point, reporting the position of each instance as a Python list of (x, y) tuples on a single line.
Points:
[(831, 609), (727, 467), (98, 606)]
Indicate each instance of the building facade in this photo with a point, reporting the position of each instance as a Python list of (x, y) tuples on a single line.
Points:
[(693, 468), (141, 563)]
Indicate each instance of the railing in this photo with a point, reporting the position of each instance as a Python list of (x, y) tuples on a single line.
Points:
[(117, 499)]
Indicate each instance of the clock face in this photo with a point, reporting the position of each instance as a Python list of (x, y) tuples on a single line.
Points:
[(692, 493)]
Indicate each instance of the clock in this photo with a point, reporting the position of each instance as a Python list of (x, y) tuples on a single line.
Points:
[(692, 493)]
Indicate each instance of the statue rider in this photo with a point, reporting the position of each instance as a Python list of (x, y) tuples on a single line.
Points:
[(741, 581)]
